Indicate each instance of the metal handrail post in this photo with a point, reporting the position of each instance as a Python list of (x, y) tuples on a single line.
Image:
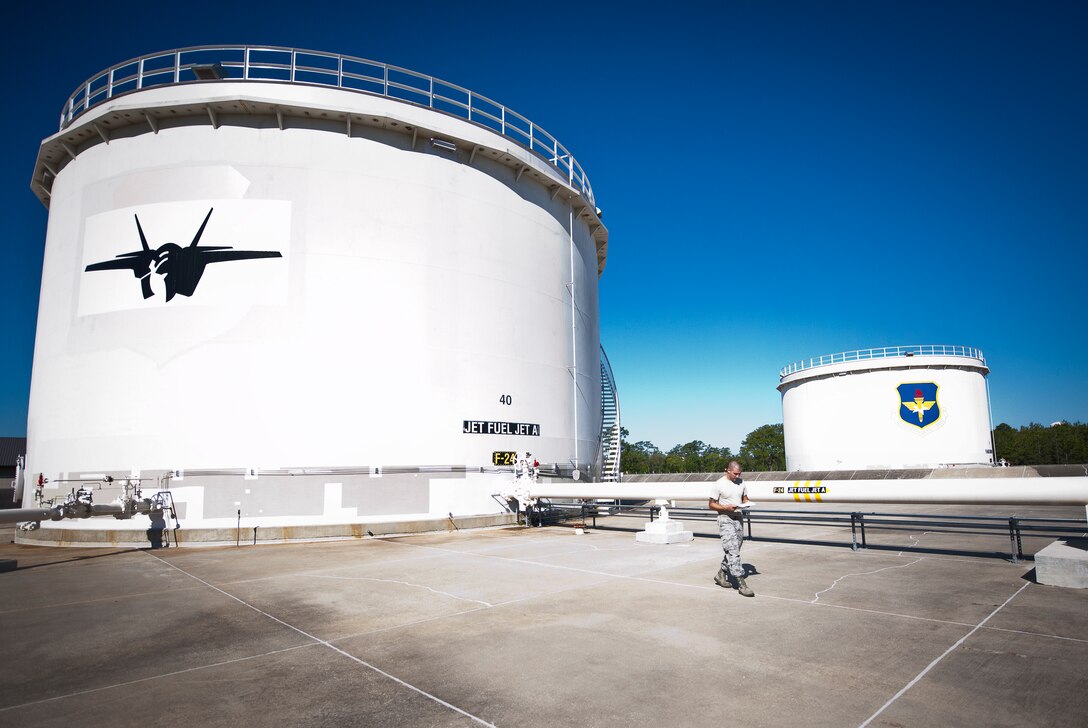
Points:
[(1015, 545), (860, 519), (853, 532)]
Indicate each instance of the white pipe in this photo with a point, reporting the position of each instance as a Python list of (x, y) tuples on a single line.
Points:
[(573, 323), (981, 491)]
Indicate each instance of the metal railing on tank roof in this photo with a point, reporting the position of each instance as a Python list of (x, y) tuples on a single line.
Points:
[(291, 65), (883, 353)]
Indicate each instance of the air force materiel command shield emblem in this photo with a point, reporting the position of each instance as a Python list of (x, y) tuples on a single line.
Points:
[(918, 404)]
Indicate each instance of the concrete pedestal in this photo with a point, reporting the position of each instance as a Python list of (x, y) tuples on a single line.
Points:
[(664, 530), (1063, 563)]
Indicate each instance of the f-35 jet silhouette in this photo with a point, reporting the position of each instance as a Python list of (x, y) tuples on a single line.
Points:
[(181, 267)]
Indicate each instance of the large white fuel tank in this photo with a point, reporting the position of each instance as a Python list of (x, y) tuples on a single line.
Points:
[(274, 262), (892, 407)]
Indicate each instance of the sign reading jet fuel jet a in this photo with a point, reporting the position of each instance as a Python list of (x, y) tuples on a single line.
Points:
[(181, 267)]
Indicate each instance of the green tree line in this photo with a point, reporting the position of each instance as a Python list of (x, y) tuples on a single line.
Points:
[(1035, 444), (763, 449)]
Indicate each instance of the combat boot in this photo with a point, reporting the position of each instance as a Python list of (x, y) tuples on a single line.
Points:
[(743, 588), (722, 579)]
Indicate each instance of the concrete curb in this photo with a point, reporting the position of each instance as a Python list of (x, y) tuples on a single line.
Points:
[(250, 535)]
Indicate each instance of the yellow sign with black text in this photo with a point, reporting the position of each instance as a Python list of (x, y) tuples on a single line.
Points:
[(504, 457)]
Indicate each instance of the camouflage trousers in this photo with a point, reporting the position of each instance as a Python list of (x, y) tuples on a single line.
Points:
[(732, 533)]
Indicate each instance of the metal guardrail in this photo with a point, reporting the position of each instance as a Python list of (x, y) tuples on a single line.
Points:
[(1015, 526), (317, 68), (883, 353)]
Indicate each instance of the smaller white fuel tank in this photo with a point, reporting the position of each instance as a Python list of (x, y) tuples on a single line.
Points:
[(893, 407)]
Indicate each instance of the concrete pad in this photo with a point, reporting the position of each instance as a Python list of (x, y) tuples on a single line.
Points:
[(108, 576), (307, 686), (358, 600), (1045, 610), (87, 645), (1000, 679), (229, 564), (595, 551), (536, 627), (918, 585), (590, 656), (1063, 563)]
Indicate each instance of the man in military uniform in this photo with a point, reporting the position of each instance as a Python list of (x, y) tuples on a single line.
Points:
[(726, 497)]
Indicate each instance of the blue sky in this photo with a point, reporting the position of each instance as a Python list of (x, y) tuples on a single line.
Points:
[(780, 180)]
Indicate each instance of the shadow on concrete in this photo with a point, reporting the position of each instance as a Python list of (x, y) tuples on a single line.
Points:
[(1005, 556), (69, 560), (157, 530)]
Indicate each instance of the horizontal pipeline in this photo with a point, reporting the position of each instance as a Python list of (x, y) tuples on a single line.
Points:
[(80, 510), (1065, 491), (17, 515)]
